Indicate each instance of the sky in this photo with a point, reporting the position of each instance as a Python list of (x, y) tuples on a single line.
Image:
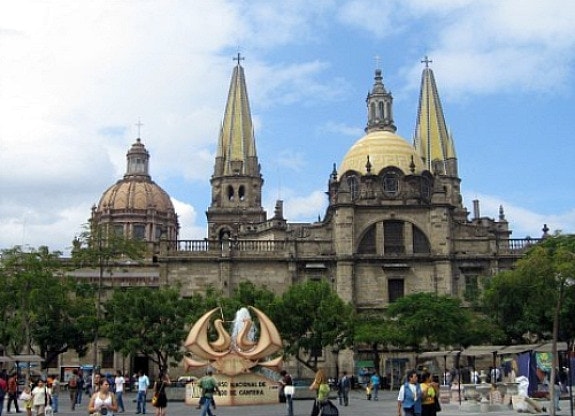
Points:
[(77, 77)]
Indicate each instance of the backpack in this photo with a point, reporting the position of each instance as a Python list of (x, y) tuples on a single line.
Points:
[(73, 382)]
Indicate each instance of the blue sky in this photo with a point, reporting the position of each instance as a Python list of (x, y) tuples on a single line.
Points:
[(75, 77)]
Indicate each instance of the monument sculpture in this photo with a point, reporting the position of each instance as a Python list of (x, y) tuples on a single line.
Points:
[(241, 361)]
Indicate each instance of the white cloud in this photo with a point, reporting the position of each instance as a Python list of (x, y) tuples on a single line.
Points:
[(187, 218), (522, 221), (304, 208)]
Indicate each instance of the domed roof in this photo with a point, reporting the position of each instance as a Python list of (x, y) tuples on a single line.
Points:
[(135, 193), (384, 148)]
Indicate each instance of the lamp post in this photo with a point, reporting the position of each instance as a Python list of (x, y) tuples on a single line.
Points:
[(563, 283)]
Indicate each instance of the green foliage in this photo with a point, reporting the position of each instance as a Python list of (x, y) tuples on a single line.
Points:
[(311, 316), (150, 321), (42, 311), (427, 320), (523, 300), (99, 246)]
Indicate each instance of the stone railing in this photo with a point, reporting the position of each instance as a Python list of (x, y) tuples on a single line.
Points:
[(517, 245), (513, 246)]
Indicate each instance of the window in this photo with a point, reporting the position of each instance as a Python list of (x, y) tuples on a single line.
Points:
[(420, 242), (395, 289), (353, 185), (108, 359), (393, 237), (425, 188), (471, 288), (367, 244), (119, 230), (242, 193), (390, 184), (139, 232), (230, 193)]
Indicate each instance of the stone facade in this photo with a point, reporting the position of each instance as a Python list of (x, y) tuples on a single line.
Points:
[(395, 223)]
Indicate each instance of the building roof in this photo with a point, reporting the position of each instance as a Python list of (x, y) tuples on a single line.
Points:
[(431, 139), (384, 148)]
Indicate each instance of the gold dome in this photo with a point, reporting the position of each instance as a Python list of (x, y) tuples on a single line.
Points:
[(135, 193), (384, 149)]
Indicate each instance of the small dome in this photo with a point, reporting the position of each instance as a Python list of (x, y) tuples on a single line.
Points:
[(384, 149), (135, 194)]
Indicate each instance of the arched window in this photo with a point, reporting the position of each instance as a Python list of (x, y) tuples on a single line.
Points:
[(393, 237), (353, 185), (381, 115), (231, 193), (367, 244), (425, 188), (420, 241), (242, 193)]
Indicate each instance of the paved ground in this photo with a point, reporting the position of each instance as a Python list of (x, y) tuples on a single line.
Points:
[(359, 406)]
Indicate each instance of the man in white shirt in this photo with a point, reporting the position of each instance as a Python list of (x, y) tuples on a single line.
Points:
[(143, 384), (119, 383)]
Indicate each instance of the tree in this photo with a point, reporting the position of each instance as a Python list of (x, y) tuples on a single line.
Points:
[(45, 313), (536, 298), (427, 320), (150, 321), (101, 247), (311, 316), (523, 300), (374, 329)]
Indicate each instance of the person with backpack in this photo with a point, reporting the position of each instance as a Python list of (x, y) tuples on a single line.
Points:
[(209, 386)]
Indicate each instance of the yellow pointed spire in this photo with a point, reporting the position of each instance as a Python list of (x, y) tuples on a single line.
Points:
[(236, 144), (432, 139)]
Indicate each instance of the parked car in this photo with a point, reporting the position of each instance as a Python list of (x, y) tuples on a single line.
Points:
[(302, 391), (183, 380)]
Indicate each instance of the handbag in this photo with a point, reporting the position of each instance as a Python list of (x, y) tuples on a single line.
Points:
[(437, 404), (155, 399), (289, 390)]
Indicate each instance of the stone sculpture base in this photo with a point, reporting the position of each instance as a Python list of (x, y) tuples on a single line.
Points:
[(243, 389)]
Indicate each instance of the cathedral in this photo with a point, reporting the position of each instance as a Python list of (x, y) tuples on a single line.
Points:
[(395, 222)]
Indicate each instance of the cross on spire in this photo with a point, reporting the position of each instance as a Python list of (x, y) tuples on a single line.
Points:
[(377, 62), (139, 124), (426, 61), (239, 58)]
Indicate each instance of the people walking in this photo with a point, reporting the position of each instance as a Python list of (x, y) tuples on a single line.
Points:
[(40, 398), (81, 385), (286, 390), (209, 386), (321, 386), (143, 385), (119, 387), (409, 397), (73, 386), (103, 401), (375, 385), (3, 390), (160, 384), (12, 393), (344, 386), (55, 390), (429, 395)]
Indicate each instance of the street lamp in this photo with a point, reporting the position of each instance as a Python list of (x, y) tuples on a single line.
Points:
[(563, 283)]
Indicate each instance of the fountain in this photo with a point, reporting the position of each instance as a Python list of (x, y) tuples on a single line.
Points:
[(241, 360)]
